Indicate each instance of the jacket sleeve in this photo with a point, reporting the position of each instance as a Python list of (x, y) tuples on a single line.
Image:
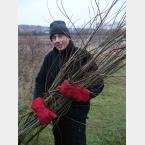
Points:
[(96, 89), (40, 79)]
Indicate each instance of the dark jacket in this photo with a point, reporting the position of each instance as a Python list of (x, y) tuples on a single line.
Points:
[(50, 68)]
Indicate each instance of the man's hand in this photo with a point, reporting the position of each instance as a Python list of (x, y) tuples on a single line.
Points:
[(44, 114), (74, 91)]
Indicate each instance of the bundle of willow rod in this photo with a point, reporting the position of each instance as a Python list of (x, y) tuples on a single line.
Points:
[(109, 57)]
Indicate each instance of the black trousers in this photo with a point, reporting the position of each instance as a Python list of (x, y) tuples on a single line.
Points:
[(69, 132)]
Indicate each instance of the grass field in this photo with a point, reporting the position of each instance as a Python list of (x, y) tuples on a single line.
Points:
[(106, 124), (107, 117)]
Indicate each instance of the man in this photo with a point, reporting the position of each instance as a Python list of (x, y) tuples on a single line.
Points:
[(70, 129)]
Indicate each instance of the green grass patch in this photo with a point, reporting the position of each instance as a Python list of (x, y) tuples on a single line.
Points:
[(107, 117)]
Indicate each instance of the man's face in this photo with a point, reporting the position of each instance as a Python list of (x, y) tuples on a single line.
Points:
[(60, 41)]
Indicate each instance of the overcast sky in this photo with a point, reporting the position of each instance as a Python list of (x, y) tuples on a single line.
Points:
[(35, 12)]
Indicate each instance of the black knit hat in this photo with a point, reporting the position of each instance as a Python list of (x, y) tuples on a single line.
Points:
[(58, 27)]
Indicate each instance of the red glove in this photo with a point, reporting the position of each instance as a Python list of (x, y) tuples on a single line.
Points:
[(74, 91), (44, 114)]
